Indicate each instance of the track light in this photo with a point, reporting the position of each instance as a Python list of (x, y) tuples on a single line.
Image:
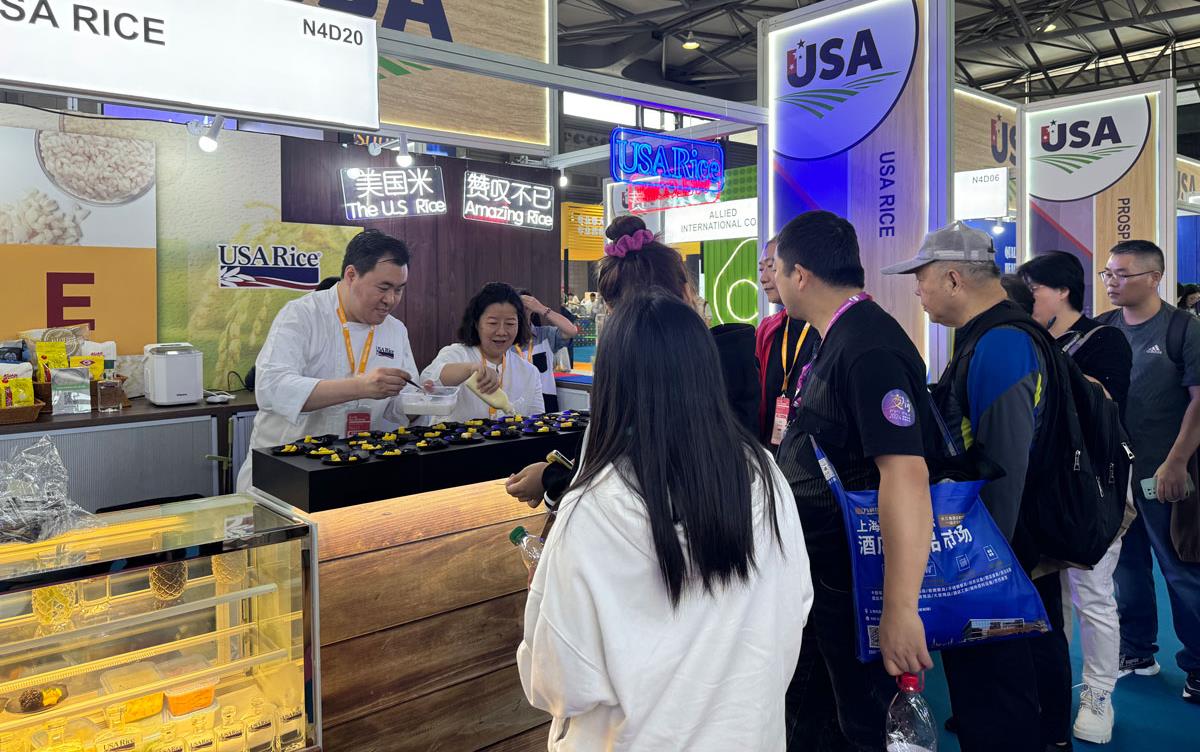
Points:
[(208, 142), (374, 148), (998, 228), (1050, 27), (403, 158), (563, 180), (690, 42)]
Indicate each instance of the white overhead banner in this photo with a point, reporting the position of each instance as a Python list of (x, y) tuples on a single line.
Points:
[(274, 59), (981, 194), (728, 220)]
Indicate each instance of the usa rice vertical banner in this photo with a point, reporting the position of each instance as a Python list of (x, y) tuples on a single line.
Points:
[(860, 100), (1100, 168)]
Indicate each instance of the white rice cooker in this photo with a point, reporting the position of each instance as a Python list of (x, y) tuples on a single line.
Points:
[(174, 373)]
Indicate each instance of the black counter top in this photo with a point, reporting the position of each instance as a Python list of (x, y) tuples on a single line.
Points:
[(310, 485)]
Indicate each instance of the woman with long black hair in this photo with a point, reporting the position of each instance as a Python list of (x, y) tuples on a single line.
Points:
[(667, 610)]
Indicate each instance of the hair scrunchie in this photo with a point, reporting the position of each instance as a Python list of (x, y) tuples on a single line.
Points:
[(628, 243)]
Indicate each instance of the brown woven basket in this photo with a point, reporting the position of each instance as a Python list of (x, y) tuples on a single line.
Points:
[(10, 416)]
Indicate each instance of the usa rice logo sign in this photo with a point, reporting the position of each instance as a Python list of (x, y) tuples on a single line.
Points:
[(276, 267), (843, 74), (1082, 151)]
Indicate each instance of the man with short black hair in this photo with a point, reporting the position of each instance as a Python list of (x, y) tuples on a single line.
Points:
[(992, 394), (334, 360), (863, 400), (1163, 419)]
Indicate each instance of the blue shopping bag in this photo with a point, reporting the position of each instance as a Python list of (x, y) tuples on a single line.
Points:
[(974, 589)]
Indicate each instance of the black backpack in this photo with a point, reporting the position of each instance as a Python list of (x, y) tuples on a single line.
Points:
[(1074, 497)]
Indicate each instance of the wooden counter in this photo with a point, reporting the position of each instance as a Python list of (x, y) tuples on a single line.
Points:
[(422, 603)]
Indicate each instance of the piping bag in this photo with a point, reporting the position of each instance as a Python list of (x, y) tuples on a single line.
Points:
[(497, 399)]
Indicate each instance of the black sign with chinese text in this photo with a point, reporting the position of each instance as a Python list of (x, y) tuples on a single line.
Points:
[(371, 193), (504, 201)]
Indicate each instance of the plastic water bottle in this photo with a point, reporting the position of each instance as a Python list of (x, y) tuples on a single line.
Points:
[(530, 546), (910, 725)]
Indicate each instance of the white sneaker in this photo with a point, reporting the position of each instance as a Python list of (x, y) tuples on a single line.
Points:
[(1095, 720)]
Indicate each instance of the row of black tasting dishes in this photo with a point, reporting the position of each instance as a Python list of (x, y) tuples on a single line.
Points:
[(403, 442)]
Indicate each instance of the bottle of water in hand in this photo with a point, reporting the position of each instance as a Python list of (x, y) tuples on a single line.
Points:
[(530, 547), (910, 725)]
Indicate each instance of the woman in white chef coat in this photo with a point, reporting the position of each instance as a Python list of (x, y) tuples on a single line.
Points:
[(667, 608), (335, 360), (492, 323)]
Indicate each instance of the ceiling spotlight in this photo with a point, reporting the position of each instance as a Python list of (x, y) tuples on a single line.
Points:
[(403, 158), (208, 142), (998, 228), (1050, 27), (563, 180), (374, 148), (690, 42)]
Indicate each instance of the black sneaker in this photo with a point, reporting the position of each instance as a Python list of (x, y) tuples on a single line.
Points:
[(1139, 666), (1191, 689)]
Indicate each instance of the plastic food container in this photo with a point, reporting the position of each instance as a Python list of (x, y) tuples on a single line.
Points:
[(192, 696), (438, 401), (131, 677)]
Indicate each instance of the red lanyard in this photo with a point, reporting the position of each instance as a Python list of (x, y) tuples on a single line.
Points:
[(851, 301)]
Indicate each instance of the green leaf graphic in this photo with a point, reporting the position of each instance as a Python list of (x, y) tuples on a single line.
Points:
[(810, 100)]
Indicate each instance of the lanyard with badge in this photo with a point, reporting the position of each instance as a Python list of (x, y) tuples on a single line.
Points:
[(356, 420), (503, 366), (783, 403), (852, 301)]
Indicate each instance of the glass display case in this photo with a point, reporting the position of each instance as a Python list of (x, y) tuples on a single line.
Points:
[(186, 627)]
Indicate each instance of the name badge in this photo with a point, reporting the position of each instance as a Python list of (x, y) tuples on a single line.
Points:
[(357, 422), (783, 411)]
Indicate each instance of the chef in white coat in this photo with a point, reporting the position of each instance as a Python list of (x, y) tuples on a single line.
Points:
[(335, 360)]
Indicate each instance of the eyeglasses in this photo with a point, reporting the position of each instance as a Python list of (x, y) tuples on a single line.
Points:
[(1106, 276)]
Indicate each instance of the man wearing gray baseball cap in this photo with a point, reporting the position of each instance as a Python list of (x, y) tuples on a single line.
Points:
[(993, 394)]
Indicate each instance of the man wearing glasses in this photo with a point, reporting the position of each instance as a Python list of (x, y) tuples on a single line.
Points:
[(1163, 419)]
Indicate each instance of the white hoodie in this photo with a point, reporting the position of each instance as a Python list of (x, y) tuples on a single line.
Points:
[(619, 669)]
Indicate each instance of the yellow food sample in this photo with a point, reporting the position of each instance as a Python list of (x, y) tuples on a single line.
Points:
[(390, 436), (422, 444), (323, 451), (568, 424), (308, 439), (336, 458), (191, 698), (51, 696), (391, 453), (290, 449), (433, 435), (543, 430), (495, 434), (474, 422), (440, 427), (370, 447)]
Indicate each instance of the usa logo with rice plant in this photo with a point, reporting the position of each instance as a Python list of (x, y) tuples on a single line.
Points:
[(1080, 151), (836, 79), (276, 267)]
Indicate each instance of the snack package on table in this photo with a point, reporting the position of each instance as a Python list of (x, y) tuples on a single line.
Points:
[(16, 385), (50, 355)]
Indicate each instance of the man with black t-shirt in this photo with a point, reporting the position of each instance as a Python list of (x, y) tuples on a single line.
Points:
[(863, 399), (782, 345)]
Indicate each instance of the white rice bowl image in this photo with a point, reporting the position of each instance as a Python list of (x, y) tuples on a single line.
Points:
[(98, 170)]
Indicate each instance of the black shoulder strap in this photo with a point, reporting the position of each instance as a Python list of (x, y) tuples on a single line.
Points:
[(1176, 334)]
